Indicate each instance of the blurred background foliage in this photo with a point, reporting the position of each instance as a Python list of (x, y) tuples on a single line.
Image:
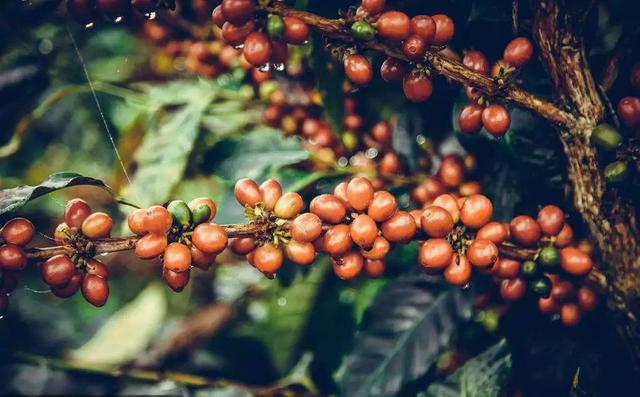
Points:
[(160, 134)]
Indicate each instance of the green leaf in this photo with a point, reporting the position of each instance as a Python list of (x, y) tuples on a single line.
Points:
[(408, 326), (13, 199), (481, 376)]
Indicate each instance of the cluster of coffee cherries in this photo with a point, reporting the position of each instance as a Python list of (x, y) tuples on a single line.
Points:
[(88, 12), (451, 178), (180, 234), (66, 273), (14, 235), (479, 113)]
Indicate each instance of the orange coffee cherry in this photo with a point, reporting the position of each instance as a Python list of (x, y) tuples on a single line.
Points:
[(209, 238), (288, 206), (435, 253), (135, 221), (476, 211), (482, 253), (75, 212), (242, 245), (329, 208), (401, 227), (374, 267), (360, 193), (306, 227), (271, 191), (300, 252), (151, 246), (348, 266), (378, 249), (436, 221), (97, 225), (157, 220), (459, 270), (337, 240), (363, 230), (575, 262), (247, 192), (382, 206), (177, 257), (525, 230), (268, 258), (449, 203)]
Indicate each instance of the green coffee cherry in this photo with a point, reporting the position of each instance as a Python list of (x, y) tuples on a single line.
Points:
[(201, 214), (606, 137), (349, 140), (362, 30), (180, 212), (615, 172), (529, 269), (275, 25), (267, 88), (541, 286), (549, 257)]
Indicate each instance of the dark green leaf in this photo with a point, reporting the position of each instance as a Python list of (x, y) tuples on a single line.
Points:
[(13, 199), (408, 326)]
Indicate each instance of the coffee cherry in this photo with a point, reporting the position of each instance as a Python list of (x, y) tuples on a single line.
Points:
[(500, 69), (242, 245), (218, 17), (629, 111), (549, 258), (328, 207), (400, 228), (337, 240), (363, 230), (541, 286), (416, 87), (360, 193), (97, 268), (506, 268), (257, 48), (575, 262), (606, 137), (358, 69), (548, 305), (177, 257), (393, 70), (295, 31), (97, 225), (381, 133), (476, 61), (288, 206), (201, 259), (209, 238), (348, 266), (238, 11), (551, 220), (271, 191), (562, 291), (435, 253), (470, 118), (275, 26), (476, 211), (300, 252), (235, 35), (525, 230), (518, 52), (378, 249), (390, 164), (495, 232), (57, 270), (451, 171), (70, 288), (458, 271), (247, 192), (470, 188), (83, 11), (530, 269), (75, 212), (340, 191), (18, 231), (306, 227), (175, 281), (449, 203), (445, 28), (268, 258), (496, 120), (199, 202), (436, 221), (12, 257), (414, 47), (382, 206), (570, 314), (565, 237), (363, 30), (482, 253), (394, 25), (135, 221), (151, 246), (373, 6), (63, 233), (513, 289), (615, 172), (587, 299), (424, 27), (157, 220)]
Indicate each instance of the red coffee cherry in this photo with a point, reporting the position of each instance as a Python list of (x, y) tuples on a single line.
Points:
[(18, 231), (458, 271), (518, 52), (476, 61), (242, 245), (496, 120), (378, 250), (445, 28), (218, 17), (268, 258), (414, 47), (495, 232), (587, 299), (417, 87), (97, 225), (565, 237), (435, 253), (424, 27), (97, 268), (209, 238), (70, 288), (382, 206), (373, 6), (548, 305), (95, 290), (157, 220), (295, 30), (288, 206), (451, 171), (513, 290), (300, 252), (257, 48), (358, 69), (563, 290), (570, 314), (374, 267), (279, 52), (176, 281), (57, 270), (551, 220), (482, 253), (177, 257), (151, 246), (360, 193), (306, 227), (470, 119), (200, 259), (400, 228), (349, 266), (381, 133), (394, 25), (363, 230), (200, 201), (575, 262), (135, 221), (629, 111), (472, 93), (329, 208), (393, 70), (449, 203), (238, 11), (476, 211), (75, 212), (12, 257), (506, 268), (247, 192), (436, 221), (525, 230), (337, 240), (235, 35)]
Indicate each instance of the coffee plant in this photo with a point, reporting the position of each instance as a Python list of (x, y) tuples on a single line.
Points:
[(358, 198)]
